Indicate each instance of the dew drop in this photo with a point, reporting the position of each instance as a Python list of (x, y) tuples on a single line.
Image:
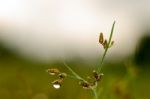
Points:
[(56, 86), (52, 73)]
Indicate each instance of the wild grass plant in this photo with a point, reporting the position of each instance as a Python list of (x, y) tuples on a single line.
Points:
[(24, 79), (91, 82)]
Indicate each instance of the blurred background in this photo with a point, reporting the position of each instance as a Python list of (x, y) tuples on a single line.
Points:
[(39, 34)]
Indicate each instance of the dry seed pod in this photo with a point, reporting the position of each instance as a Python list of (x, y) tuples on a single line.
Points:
[(57, 81), (53, 71), (111, 44), (93, 85), (62, 75), (100, 76), (101, 38), (85, 85), (97, 76), (105, 44)]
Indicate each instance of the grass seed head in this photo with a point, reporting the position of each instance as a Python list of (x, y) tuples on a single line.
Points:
[(53, 71), (62, 75), (101, 38), (105, 44), (85, 85)]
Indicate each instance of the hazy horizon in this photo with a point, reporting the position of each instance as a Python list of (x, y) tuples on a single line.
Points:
[(47, 29)]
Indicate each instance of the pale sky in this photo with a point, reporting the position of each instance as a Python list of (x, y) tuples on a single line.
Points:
[(47, 29)]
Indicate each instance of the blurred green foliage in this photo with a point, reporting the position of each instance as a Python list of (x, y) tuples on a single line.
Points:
[(22, 79)]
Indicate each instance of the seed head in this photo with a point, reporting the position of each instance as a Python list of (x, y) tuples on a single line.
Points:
[(97, 76), (84, 84), (112, 42), (62, 75), (105, 44), (53, 71), (101, 38)]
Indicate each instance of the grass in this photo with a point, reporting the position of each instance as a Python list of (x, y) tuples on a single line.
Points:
[(21, 80), (93, 80)]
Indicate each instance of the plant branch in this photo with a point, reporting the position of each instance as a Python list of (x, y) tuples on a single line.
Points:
[(95, 93), (106, 49), (74, 73), (72, 77)]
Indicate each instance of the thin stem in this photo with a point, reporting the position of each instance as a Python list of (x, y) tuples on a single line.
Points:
[(106, 49), (98, 91), (95, 93), (74, 73), (101, 62), (72, 77)]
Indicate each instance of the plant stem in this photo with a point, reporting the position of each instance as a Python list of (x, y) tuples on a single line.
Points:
[(106, 49), (73, 77), (95, 93), (74, 73)]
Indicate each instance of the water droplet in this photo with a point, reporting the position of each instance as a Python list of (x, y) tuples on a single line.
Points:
[(52, 74), (57, 83), (56, 86)]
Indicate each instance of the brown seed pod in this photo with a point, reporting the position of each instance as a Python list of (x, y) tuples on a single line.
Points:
[(62, 75), (93, 85), (53, 71), (84, 84), (105, 44), (58, 81), (101, 38), (112, 43), (97, 76)]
